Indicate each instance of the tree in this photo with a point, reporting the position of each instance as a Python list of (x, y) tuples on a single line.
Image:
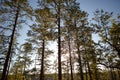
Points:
[(114, 40), (79, 23), (10, 46), (25, 58), (68, 31), (11, 8), (17, 70), (42, 29), (3, 49), (104, 27), (57, 10)]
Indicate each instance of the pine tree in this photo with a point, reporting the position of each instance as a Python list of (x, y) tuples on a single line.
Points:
[(80, 23), (12, 9), (41, 33), (57, 6), (103, 27)]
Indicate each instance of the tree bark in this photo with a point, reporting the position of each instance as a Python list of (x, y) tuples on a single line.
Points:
[(89, 71), (8, 67), (118, 73), (24, 68), (70, 57), (42, 61), (80, 64), (10, 47), (59, 44), (111, 74)]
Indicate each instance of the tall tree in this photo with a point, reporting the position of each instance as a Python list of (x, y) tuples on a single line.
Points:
[(25, 58), (3, 49), (17, 69), (114, 40), (43, 31), (12, 8), (87, 48), (104, 26), (10, 45), (79, 23), (68, 30), (57, 6)]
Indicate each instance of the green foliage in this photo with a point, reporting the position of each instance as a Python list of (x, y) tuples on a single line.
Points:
[(27, 47), (82, 58), (114, 33)]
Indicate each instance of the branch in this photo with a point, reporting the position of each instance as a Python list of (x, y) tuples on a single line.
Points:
[(114, 47), (1, 27)]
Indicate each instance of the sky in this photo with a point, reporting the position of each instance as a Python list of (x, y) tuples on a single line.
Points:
[(108, 5), (87, 5)]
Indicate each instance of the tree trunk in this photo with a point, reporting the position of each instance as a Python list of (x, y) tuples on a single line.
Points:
[(96, 73), (59, 44), (112, 74), (42, 61), (16, 73), (79, 54), (119, 53), (118, 73), (24, 72), (89, 71), (86, 74), (80, 64), (10, 47), (8, 67), (67, 69), (70, 58)]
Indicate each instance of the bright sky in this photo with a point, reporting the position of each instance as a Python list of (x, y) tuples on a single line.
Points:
[(87, 5), (107, 5)]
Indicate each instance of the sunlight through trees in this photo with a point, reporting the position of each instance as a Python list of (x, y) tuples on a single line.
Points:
[(64, 24)]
